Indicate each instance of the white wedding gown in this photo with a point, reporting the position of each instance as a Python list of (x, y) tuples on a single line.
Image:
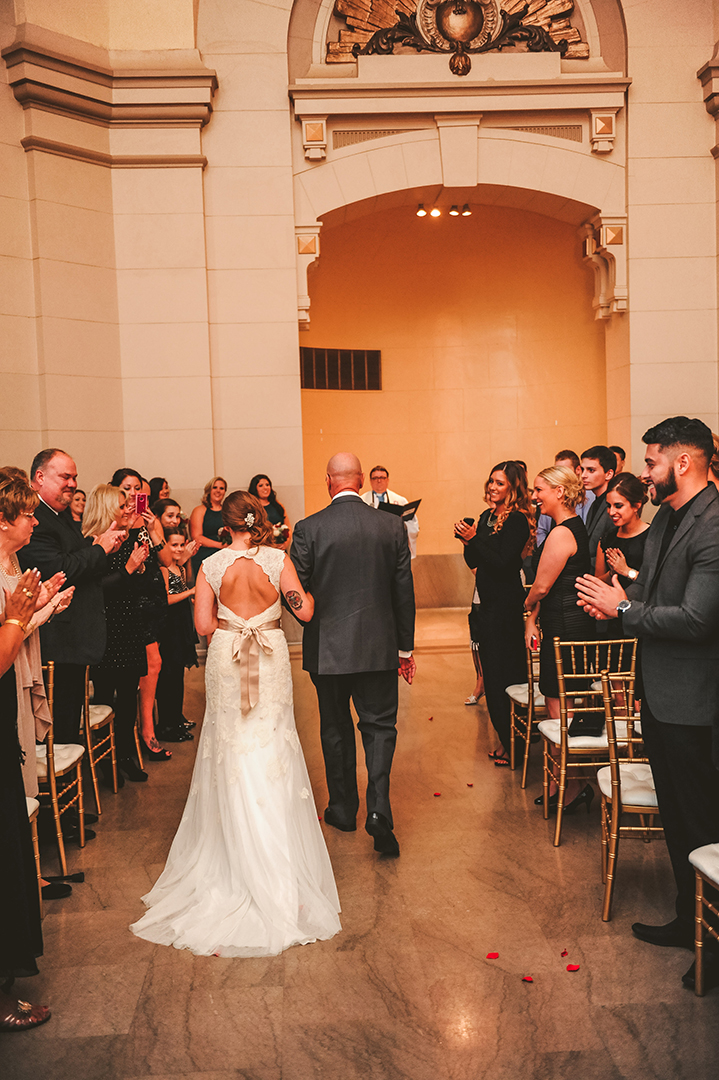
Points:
[(248, 872)]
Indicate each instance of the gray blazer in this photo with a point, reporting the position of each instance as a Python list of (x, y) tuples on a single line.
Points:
[(356, 563), (600, 526), (675, 613)]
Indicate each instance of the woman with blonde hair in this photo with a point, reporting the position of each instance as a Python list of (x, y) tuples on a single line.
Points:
[(495, 547), (248, 873), (562, 558), (206, 521)]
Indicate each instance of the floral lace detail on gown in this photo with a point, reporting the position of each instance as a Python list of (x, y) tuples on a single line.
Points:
[(248, 873)]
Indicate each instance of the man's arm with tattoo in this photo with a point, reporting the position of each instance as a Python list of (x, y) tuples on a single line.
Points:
[(294, 600)]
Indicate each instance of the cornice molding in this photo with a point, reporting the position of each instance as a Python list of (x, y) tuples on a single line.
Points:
[(708, 75), (114, 161), (57, 74)]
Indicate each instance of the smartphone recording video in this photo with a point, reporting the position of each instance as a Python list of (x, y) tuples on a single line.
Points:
[(141, 503)]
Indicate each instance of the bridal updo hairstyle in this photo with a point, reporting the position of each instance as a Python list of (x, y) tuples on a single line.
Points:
[(16, 495), (235, 509), (559, 476)]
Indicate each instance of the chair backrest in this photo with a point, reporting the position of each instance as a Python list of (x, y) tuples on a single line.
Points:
[(49, 670), (579, 663), (622, 736)]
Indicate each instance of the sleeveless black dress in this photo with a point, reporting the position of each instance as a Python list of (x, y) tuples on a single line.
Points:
[(559, 614)]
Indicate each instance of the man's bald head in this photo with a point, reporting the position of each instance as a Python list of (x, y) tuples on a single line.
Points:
[(344, 473)]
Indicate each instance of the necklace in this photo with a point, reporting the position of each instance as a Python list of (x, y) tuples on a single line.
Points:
[(13, 572)]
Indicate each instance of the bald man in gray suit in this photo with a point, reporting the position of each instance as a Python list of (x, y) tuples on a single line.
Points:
[(356, 564)]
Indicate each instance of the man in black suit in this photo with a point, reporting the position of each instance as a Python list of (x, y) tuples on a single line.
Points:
[(673, 608), (75, 637), (356, 564), (599, 464)]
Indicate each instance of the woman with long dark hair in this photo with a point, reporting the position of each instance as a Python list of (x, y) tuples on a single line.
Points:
[(261, 488), (495, 547)]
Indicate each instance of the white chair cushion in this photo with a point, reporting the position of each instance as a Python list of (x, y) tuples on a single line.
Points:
[(551, 729), (706, 859), (637, 784), (99, 714), (32, 806), (519, 692), (66, 754)]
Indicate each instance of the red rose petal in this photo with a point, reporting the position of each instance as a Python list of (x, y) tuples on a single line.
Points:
[(437, 794), (470, 785), (572, 967), (564, 952), (493, 956), (527, 978), (431, 718)]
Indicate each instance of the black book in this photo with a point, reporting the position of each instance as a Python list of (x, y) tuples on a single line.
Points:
[(405, 512)]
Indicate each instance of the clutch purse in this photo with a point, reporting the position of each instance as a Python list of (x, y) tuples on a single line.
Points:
[(589, 725)]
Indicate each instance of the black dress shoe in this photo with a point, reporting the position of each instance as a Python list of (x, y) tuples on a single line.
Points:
[(384, 839), (179, 734), (72, 818), (553, 800), (674, 935), (72, 835), (711, 972), (56, 890), (132, 770), (343, 826)]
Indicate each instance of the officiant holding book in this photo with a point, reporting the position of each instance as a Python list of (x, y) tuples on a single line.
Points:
[(379, 493)]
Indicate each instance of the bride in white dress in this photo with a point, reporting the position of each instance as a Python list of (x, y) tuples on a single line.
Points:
[(248, 872)]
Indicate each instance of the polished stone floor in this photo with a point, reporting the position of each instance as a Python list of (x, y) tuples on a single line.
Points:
[(405, 992)]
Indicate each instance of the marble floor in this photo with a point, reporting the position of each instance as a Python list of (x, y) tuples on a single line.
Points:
[(405, 992)]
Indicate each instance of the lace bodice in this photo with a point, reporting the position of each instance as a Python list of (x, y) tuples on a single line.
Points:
[(270, 560)]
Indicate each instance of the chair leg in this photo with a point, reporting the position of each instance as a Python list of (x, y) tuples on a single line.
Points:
[(545, 781), (137, 745), (699, 936), (60, 838), (560, 803), (512, 720), (527, 744), (612, 853), (36, 852), (113, 756), (603, 813), (80, 804), (93, 769)]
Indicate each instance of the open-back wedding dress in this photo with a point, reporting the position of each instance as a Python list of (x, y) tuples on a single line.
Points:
[(248, 872)]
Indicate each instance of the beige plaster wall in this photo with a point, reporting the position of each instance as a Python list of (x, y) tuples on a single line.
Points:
[(115, 24), (489, 350), (672, 220), (251, 275)]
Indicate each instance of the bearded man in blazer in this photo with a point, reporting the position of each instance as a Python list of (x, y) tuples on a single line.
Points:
[(356, 564), (673, 608)]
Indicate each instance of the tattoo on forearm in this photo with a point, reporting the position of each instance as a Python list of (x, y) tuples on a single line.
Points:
[(294, 600)]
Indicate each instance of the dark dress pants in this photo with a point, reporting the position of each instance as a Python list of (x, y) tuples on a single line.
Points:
[(687, 785), (504, 662), (119, 688), (69, 702), (170, 692), (375, 695)]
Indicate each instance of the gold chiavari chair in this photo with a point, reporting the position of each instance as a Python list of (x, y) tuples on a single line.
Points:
[(578, 756), (33, 809), (626, 784), (55, 762), (95, 718), (705, 861), (527, 708)]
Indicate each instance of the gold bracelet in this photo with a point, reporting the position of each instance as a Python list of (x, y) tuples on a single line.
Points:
[(16, 622)]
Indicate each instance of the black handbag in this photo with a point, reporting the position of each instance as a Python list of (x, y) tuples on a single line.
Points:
[(590, 725)]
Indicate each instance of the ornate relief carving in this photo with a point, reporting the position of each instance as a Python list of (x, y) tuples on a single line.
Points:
[(434, 26), (605, 250)]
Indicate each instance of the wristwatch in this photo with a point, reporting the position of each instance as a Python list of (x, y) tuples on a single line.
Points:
[(623, 606), (632, 574)]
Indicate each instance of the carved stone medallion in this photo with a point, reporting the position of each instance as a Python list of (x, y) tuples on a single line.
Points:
[(443, 23)]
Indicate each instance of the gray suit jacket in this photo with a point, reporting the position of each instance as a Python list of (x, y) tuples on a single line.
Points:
[(356, 563), (601, 524), (675, 613)]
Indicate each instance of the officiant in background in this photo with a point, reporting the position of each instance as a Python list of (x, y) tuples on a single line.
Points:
[(379, 493)]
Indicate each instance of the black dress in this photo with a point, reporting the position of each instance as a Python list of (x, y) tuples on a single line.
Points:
[(177, 648), (20, 925), (499, 624), (632, 548), (559, 614), (211, 525)]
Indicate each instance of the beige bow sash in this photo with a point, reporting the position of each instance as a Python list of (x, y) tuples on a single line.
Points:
[(246, 650)]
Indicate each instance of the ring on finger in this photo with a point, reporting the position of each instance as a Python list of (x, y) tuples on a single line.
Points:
[(28, 593)]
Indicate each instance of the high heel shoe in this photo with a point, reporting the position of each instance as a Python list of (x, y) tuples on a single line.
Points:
[(132, 770), (553, 800), (158, 754), (584, 798)]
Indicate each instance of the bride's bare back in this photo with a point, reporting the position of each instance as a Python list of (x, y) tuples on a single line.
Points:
[(246, 589)]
